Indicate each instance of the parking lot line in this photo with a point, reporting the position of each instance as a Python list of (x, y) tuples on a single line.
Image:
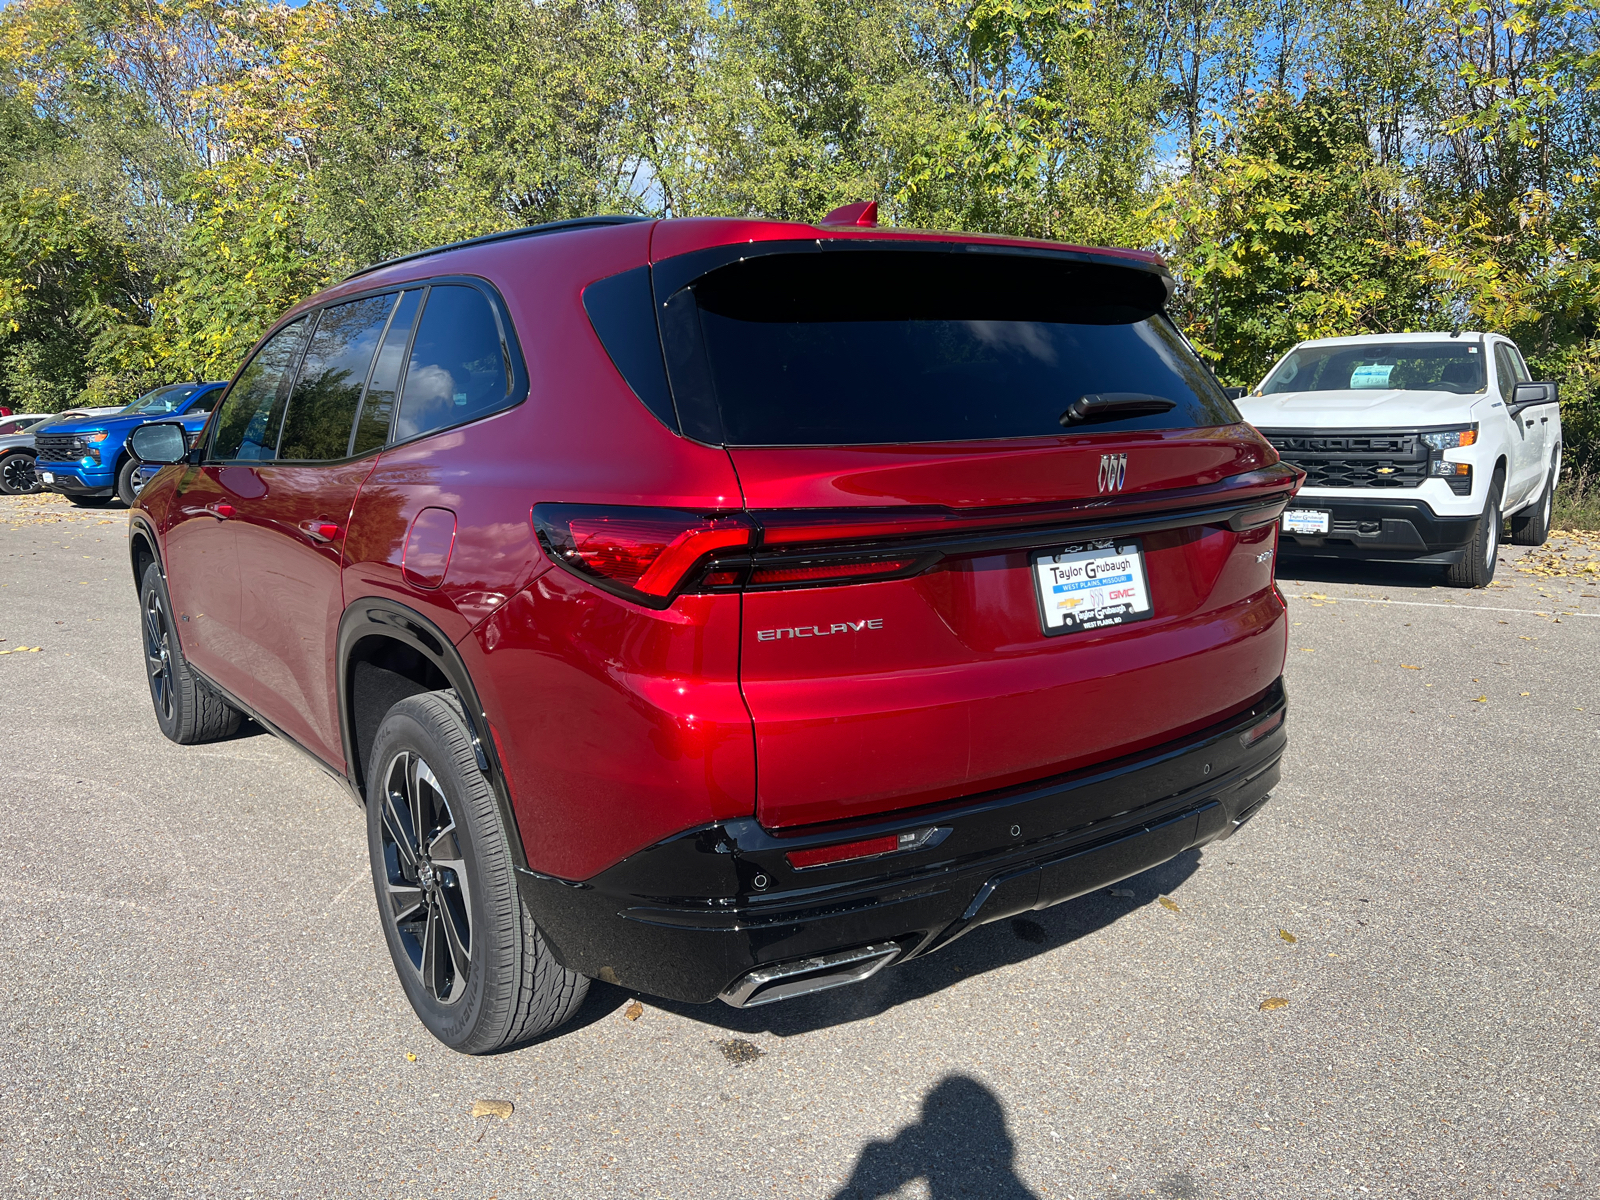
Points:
[(1532, 612)]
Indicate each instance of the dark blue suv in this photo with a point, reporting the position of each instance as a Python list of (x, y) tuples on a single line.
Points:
[(86, 459)]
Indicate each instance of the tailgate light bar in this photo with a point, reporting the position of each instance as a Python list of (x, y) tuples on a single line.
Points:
[(653, 555)]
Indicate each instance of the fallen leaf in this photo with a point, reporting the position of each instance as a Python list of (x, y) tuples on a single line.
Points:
[(1287, 936), (492, 1108), (1272, 1003), (1523, 693), (1409, 667), (1168, 904), (410, 1057), (1481, 700), (634, 1011), (1307, 650)]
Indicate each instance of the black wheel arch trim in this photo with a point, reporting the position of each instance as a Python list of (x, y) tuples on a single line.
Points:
[(140, 530), (380, 617)]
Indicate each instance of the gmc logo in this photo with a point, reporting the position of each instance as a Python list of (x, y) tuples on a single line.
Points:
[(1113, 472)]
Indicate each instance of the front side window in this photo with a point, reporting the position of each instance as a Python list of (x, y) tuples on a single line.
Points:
[(1445, 366), (247, 428), (460, 367), (322, 409)]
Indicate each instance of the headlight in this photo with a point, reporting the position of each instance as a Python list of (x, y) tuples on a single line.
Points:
[(1451, 439), (95, 437)]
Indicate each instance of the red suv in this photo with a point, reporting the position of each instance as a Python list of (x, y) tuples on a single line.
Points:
[(727, 608)]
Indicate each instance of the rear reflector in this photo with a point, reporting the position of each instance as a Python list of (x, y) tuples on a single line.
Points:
[(844, 852), (1261, 729)]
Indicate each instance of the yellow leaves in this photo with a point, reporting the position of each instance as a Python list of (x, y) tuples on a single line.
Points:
[(1169, 905), (1481, 700), (410, 1057), (1409, 667), (23, 650), (492, 1108), (634, 1011), (1287, 936), (1273, 1003)]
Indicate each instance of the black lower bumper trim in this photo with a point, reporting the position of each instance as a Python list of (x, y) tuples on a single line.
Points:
[(69, 485), (1406, 530), (691, 916)]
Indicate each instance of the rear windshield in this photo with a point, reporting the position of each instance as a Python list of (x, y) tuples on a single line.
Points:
[(1454, 366), (868, 347)]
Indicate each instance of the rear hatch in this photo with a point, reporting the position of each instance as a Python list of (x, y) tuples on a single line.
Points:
[(957, 584)]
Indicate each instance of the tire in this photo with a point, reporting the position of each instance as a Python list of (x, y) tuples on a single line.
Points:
[(187, 710), (126, 492), (470, 958), (1531, 526), (90, 501), (17, 474), (1476, 567)]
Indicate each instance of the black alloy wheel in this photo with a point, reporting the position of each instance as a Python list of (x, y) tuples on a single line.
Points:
[(471, 959), (18, 475), (187, 710), (425, 886), (158, 650)]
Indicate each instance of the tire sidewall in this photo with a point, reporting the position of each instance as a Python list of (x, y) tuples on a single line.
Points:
[(457, 1025), (125, 489), (10, 461)]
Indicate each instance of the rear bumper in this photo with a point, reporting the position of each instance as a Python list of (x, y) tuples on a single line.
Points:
[(691, 917), (1407, 530)]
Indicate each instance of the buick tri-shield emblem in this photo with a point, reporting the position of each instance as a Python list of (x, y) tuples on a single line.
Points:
[(1113, 472)]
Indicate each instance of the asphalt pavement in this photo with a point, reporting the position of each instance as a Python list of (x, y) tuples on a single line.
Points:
[(1384, 986)]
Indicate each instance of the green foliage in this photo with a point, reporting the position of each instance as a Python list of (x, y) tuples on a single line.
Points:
[(173, 173), (1299, 234)]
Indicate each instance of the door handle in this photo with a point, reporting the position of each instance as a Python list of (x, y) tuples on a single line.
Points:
[(319, 531), (1529, 422), (1544, 420), (220, 511)]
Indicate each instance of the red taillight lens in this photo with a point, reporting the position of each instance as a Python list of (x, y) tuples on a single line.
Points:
[(642, 552), (1261, 729)]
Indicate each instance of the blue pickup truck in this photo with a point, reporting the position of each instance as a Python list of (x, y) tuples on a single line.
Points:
[(86, 459)]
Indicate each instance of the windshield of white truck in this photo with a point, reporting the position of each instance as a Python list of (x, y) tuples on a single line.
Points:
[(1453, 366)]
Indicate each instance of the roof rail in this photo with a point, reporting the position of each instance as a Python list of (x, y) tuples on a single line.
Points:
[(524, 231)]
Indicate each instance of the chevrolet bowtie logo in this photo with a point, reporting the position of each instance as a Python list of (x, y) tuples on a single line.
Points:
[(1385, 470)]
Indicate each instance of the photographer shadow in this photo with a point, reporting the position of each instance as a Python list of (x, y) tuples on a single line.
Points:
[(960, 1147)]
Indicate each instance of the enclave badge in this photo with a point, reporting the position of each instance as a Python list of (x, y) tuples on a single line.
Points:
[(1113, 472)]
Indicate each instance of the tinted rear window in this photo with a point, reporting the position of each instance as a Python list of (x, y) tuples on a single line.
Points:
[(870, 347)]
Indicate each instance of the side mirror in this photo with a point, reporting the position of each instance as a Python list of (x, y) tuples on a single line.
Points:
[(1235, 393), (1526, 395), (159, 443)]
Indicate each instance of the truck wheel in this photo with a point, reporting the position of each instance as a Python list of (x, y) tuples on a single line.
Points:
[(1531, 526), (187, 710), (1476, 567), (17, 474), (469, 956), (126, 492)]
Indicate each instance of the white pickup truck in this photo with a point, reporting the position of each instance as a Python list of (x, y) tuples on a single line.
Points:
[(1416, 446)]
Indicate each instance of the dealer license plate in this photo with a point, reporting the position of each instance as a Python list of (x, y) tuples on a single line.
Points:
[(1306, 520), (47, 477), (1091, 586)]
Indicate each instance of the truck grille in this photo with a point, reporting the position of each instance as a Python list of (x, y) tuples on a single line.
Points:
[(59, 447), (1388, 458)]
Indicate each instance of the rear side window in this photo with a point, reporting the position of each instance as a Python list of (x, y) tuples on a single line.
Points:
[(460, 367), (322, 409), (247, 428), (377, 410), (863, 347)]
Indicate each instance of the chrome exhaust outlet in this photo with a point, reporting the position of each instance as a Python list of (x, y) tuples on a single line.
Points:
[(801, 977)]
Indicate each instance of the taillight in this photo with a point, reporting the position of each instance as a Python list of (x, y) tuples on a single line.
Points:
[(645, 554)]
